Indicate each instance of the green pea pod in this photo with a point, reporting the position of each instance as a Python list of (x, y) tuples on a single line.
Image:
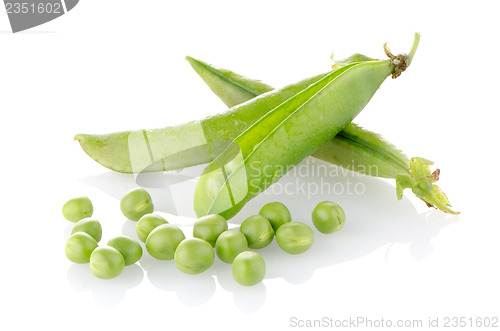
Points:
[(354, 148), (196, 142), (185, 145), (290, 132)]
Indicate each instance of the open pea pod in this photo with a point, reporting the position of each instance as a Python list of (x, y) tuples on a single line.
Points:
[(290, 132)]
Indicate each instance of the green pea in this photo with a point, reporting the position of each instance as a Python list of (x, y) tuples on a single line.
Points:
[(249, 268), (106, 262), (148, 223), (295, 237), (128, 248), (89, 226), (258, 231), (209, 228), (194, 256), (136, 203), (79, 247), (276, 213), (229, 244), (77, 209), (163, 241), (328, 217)]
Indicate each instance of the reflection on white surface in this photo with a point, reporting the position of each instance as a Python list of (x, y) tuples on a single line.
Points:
[(375, 219)]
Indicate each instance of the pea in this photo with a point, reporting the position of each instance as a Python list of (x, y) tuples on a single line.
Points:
[(209, 228), (89, 226), (106, 262), (249, 268), (79, 247), (229, 244), (77, 209), (128, 248), (148, 223), (194, 256), (136, 203), (328, 217), (258, 231), (295, 237), (276, 213), (163, 241)]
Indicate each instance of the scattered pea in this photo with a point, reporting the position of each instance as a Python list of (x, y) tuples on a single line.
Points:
[(209, 228), (128, 248), (90, 226), (136, 203), (194, 256), (162, 242), (106, 262), (328, 217), (229, 244), (258, 231), (249, 268), (148, 223), (77, 209), (79, 247), (276, 213), (295, 237)]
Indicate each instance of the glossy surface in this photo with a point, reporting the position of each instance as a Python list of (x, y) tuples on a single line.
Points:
[(130, 249), (276, 213), (77, 209), (258, 231), (79, 247), (89, 226), (148, 223), (136, 203), (229, 244), (163, 241), (249, 268), (328, 217), (209, 228), (295, 238), (193, 256), (106, 262)]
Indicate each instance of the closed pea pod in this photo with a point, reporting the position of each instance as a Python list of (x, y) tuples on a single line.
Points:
[(290, 132), (353, 148)]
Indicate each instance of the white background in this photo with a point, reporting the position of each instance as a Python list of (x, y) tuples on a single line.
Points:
[(118, 64)]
